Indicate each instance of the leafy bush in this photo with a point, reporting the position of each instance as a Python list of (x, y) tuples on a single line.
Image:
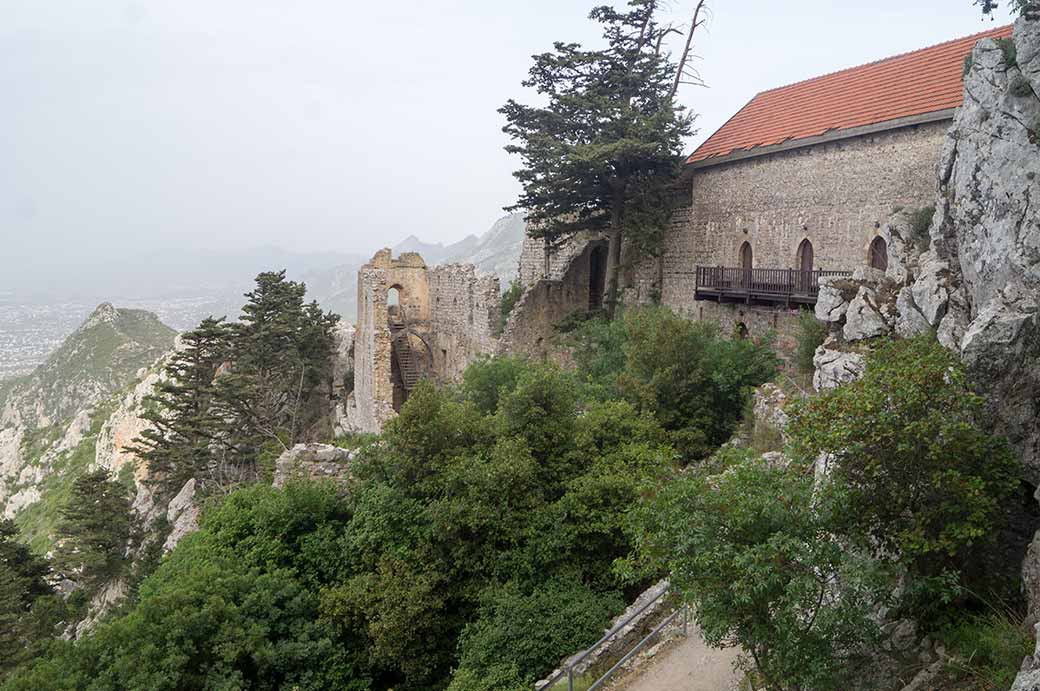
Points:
[(235, 605), (920, 477), (920, 223), (755, 555), (810, 336), (694, 381), (521, 631)]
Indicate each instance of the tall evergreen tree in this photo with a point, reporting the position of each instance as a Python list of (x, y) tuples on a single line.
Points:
[(95, 529), (605, 152), (280, 381), (183, 441), (22, 584)]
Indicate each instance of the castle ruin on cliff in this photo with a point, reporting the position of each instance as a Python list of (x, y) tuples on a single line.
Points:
[(415, 322)]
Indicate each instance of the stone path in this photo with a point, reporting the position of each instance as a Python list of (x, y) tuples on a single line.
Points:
[(686, 664)]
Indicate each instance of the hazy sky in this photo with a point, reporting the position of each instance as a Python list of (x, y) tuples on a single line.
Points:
[(332, 125)]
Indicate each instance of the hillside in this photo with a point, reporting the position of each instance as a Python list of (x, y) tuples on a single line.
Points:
[(50, 420)]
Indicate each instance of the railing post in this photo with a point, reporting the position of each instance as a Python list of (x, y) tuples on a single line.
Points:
[(570, 679)]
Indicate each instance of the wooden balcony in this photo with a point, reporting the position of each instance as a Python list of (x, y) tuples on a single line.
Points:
[(760, 286)]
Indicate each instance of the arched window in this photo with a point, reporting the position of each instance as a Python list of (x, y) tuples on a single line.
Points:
[(393, 296), (805, 256), (746, 256), (879, 253)]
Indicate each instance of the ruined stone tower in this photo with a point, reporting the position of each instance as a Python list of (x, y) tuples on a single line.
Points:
[(415, 323)]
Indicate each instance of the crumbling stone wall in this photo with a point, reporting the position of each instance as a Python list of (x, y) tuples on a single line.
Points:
[(531, 329), (450, 309)]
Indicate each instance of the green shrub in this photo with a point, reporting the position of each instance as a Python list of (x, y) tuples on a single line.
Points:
[(1007, 47), (918, 474), (810, 335), (531, 631), (920, 223), (684, 373), (748, 546)]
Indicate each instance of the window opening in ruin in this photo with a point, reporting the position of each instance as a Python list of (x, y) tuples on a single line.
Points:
[(597, 276), (393, 296), (879, 254)]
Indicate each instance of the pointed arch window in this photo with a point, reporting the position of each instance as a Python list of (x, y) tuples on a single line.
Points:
[(879, 254)]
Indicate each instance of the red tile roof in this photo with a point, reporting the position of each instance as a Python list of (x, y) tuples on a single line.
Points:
[(924, 81)]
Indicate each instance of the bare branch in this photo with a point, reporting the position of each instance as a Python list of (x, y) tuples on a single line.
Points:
[(681, 67)]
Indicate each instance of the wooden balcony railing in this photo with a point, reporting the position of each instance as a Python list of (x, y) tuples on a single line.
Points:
[(788, 286)]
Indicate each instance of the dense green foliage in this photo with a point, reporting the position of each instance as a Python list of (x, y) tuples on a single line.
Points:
[(95, 529), (749, 544), (474, 549), (236, 388), (792, 567), (921, 477), (1020, 6), (234, 606), (28, 607), (988, 647), (685, 374), (605, 150)]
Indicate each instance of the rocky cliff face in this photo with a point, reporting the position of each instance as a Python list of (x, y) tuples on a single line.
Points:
[(976, 282), (71, 412)]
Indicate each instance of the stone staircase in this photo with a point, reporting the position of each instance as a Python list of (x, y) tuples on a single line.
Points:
[(407, 360)]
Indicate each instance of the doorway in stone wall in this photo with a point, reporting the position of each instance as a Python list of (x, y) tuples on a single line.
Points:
[(747, 260), (805, 266), (597, 276), (879, 254)]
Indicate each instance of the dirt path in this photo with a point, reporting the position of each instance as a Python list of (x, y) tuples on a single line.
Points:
[(686, 665)]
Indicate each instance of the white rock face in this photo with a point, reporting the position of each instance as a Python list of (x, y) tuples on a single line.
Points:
[(836, 367), (182, 515), (123, 426), (864, 318), (831, 303), (313, 461)]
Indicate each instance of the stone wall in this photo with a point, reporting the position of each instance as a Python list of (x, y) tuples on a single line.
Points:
[(531, 329), (464, 312)]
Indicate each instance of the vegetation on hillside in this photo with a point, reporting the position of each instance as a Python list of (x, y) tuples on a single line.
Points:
[(792, 565), (235, 389), (474, 549)]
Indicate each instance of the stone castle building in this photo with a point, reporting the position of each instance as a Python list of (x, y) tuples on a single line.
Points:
[(414, 323), (797, 184)]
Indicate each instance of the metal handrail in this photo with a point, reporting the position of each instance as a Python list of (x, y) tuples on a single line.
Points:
[(568, 670)]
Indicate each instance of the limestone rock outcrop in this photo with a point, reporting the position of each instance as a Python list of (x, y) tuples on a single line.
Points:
[(314, 462)]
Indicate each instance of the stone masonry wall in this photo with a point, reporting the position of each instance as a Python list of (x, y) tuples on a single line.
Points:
[(464, 309), (531, 327), (836, 195)]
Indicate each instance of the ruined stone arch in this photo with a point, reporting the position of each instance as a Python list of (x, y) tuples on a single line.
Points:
[(878, 254)]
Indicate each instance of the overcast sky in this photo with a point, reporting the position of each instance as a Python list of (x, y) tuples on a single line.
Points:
[(332, 125)]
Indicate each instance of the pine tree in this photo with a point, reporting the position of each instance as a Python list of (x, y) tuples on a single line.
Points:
[(95, 529), (22, 583), (184, 439), (605, 153), (280, 381)]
